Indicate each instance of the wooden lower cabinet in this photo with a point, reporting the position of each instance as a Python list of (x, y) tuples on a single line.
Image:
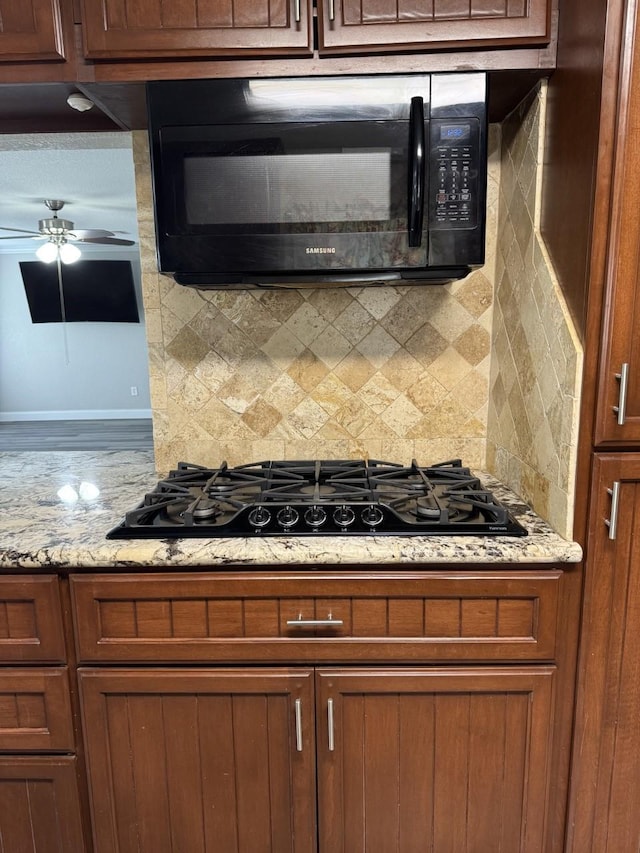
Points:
[(605, 777), (39, 805), (200, 760), (398, 759)]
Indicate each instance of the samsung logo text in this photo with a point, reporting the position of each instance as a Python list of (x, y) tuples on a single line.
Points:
[(324, 250)]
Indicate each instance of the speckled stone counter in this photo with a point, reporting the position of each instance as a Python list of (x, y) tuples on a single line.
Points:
[(41, 530)]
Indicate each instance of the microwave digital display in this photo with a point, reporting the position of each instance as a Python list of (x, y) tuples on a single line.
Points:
[(452, 132)]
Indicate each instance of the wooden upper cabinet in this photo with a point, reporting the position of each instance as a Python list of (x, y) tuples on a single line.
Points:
[(175, 29), (618, 406), (31, 31), (388, 25)]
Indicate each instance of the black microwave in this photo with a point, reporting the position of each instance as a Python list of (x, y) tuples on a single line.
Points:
[(322, 181)]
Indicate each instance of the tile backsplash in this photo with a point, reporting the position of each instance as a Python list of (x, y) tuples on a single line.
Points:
[(382, 372), (486, 369), (536, 363)]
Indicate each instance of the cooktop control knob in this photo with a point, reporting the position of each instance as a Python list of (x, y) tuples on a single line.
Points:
[(315, 516), (287, 517), (259, 517), (344, 516), (372, 516)]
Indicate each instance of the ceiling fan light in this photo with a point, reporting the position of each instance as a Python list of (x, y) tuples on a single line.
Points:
[(47, 253), (69, 253)]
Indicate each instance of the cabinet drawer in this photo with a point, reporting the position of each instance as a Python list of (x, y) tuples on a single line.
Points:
[(35, 712), (30, 620), (311, 617)]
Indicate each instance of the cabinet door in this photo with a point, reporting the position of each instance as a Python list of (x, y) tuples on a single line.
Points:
[(370, 25), (30, 30), (195, 28), (200, 760), (618, 399), (605, 783), (39, 806), (450, 761)]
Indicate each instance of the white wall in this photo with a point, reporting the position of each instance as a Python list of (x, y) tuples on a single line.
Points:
[(105, 359)]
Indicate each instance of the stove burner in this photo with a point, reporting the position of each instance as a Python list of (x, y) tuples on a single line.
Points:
[(318, 497)]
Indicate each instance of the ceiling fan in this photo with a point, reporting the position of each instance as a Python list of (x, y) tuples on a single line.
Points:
[(61, 236)]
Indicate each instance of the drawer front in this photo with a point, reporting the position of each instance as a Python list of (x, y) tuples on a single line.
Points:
[(30, 620), (35, 712), (408, 616)]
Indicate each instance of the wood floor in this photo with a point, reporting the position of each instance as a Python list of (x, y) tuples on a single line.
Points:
[(134, 434)]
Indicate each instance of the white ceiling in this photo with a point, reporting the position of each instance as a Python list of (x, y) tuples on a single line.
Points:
[(91, 172)]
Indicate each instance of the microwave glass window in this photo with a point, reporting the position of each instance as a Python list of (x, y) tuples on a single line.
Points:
[(289, 189), (289, 178)]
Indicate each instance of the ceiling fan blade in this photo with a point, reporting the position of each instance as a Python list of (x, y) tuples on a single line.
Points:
[(21, 231), (107, 241), (83, 234), (24, 237)]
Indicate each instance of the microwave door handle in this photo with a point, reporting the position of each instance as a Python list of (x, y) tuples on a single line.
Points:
[(416, 171)]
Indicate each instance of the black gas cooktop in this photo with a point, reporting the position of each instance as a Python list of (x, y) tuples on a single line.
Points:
[(318, 497)]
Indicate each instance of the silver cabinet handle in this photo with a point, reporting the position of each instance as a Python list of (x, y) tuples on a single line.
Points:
[(612, 521), (329, 622), (297, 11), (332, 10), (332, 744), (298, 707), (621, 408)]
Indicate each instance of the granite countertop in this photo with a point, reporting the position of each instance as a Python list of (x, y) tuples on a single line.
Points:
[(40, 530)]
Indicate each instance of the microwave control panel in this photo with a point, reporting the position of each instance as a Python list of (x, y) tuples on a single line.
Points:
[(453, 172)]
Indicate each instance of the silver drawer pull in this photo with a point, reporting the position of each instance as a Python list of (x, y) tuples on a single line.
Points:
[(612, 521), (332, 10), (329, 622), (621, 408), (298, 707), (332, 744), (297, 11)]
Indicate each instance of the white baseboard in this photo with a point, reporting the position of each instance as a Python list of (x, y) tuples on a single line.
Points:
[(77, 415)]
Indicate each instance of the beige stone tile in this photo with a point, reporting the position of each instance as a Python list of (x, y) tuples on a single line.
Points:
[(266, 449), (283, 348), (153, 325), (284, 394), (354, 370), (378, 393), (306, 323), (354, 417), (308, 370), (450, 368), (473, 344), (238, 393), (281, 303), (402, 370), (476, 294), (191, 394), (426, 345), (332, 393), (213, 371), (378, 347), (405, 318), (307, 418), (261, 417), (354, 323), (378, 301), (184, 302), (331, 347), (330, 303), (187, 348), (427, 393), (472, 391), (401, 416)]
